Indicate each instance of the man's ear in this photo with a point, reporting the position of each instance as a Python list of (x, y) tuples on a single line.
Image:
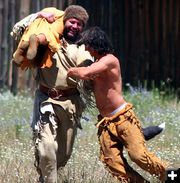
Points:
[(85, 63)]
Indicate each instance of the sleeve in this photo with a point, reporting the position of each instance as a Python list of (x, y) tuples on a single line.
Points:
[(57, 25), (52, 31), (20, 26), (84, 58)]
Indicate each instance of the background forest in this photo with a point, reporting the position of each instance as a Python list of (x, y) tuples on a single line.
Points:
[(145, 35)]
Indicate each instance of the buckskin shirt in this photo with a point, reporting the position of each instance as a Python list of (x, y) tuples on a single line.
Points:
[(56, 118)]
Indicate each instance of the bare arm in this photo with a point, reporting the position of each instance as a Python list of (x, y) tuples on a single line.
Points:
[(86, 73), (80, 72)]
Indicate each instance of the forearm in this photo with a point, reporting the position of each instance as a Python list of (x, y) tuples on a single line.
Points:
[(78, 72)]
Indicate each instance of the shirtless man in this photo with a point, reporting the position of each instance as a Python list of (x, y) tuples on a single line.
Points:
[(118, 125)]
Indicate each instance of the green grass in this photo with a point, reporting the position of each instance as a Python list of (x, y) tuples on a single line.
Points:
[(16, 149)]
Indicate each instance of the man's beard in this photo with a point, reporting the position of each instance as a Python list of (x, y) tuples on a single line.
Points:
[(69, 38)]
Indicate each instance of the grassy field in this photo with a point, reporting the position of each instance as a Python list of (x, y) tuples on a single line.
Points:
[(16, 149)]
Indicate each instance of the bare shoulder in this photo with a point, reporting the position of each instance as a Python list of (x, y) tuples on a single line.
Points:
[(113, 57), (110, 59)]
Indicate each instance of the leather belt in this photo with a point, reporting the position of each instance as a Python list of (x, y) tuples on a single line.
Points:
[(57, 93)]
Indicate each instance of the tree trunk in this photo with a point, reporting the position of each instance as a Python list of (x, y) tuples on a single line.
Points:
[(4, 45), (24, 11)]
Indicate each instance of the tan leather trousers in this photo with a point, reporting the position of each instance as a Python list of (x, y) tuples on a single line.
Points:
[(123, 130)]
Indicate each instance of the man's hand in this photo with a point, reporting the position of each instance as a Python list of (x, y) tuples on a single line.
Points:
[(47, 15)]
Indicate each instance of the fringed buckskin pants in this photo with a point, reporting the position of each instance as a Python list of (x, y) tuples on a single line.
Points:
[(123, 130), (55, 129)]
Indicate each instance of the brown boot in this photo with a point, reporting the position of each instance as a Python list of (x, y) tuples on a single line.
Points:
[(33, 46), (19, 54)]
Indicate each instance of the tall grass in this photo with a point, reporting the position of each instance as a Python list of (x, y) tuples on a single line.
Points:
[(16, 149)]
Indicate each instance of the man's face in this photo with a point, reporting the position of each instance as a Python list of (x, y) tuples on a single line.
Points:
[(72, 28)]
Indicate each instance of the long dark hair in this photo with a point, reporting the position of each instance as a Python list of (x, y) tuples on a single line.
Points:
[(96, 39)]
